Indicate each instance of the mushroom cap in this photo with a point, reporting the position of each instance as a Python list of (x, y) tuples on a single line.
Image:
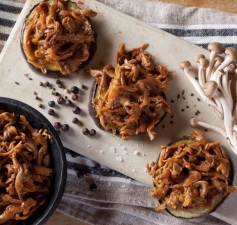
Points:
[(219, 59), (216, 47), (198, 57), (232, 53), (185, 65), (231, 68), (209, 88), (203, 63)]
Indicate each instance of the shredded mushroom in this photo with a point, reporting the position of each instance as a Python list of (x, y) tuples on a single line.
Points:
[(216, 78), (191, 174), (58, 37), (25, 168), (129, 97)]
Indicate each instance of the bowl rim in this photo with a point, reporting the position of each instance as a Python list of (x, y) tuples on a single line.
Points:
[(58, 190)]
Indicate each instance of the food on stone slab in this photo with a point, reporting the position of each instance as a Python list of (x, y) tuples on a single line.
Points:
[(191, 177), (128, 98), (58, 38)]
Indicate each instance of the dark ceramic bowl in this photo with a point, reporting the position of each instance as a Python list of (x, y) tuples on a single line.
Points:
[(37, 120)]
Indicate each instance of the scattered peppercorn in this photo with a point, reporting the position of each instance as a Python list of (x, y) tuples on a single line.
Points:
[(65, 127), (85, 131), (40, 105), (57, 125), (51, 112), (35, 93), (16, 82), (61, 100), (83, 87), (57, 93), (76, 110), (74, 97), (41, 84), (75, 120), (46, 83), (58, 81), (51, 103), (68, 102), (93, 187), (74, 89), (92, 132)]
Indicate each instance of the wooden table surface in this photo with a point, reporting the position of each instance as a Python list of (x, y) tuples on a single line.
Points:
[(223, 5)]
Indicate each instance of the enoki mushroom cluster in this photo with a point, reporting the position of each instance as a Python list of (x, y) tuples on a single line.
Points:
[(25, 167)]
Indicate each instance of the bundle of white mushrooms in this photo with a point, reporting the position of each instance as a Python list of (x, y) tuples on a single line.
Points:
[(216, 82)]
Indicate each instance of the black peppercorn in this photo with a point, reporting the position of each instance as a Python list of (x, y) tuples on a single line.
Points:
[(51, 103), (58, 82), (57, 125), (85, 131), (76, 110), (51, 112), (61, 100), (68, 102), (74, 90), (92, 132), (65, 127), (75, 120), (83, 86)]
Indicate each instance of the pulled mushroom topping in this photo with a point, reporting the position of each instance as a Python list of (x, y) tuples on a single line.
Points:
[(25, 168), (129, 97), (191, 175), (215, 82), (58, 36)]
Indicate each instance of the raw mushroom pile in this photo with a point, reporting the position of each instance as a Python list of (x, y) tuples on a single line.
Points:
[(216, 82)]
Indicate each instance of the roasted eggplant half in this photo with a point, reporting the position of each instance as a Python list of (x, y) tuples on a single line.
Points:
[(57, 37), (128, 98), (191, 177)]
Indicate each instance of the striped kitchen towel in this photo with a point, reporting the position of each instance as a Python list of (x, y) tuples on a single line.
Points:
[(95, 193)]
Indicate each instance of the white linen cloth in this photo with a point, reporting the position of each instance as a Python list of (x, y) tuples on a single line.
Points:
[(95, 193)]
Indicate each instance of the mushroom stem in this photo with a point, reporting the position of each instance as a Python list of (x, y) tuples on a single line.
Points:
[(186, 66), (215, 48), (195, 123)]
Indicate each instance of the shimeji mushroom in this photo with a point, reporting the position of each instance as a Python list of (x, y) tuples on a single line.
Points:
[(213, 83)]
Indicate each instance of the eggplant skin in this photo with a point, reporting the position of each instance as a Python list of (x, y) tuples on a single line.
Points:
[(214, 200), (92, 110), (55, 72)]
